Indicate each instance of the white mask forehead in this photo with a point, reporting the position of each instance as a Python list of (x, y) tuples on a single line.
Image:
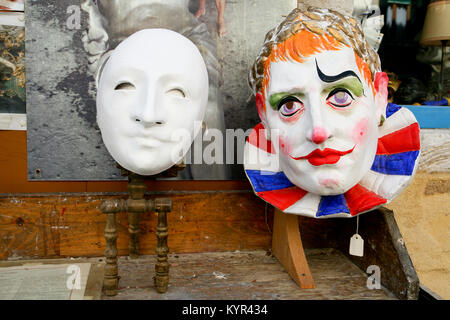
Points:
[(333, 62), (159, 52), (291, 75)]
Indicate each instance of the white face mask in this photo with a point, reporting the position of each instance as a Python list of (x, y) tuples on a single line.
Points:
[(151, 100), (326, 119)]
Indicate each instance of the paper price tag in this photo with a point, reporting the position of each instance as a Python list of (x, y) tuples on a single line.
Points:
[(357, 245)]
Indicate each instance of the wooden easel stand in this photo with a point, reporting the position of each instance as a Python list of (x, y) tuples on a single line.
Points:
[(135, 205), (288, 248)]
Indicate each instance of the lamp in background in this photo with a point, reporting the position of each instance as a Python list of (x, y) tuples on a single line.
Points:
[(436, 32)]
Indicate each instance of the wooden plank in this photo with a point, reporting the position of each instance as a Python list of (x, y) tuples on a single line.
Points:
[(166, 185), (245, 276), (60, 226)]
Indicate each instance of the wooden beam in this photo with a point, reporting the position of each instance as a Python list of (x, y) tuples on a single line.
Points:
[(60, 226)]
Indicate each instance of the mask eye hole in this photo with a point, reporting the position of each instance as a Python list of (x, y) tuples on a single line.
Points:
[(290, 106), (125, 86), (340, 98), (176, 92)]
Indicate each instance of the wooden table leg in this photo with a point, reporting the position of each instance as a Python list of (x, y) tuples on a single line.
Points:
[(287, 247), (163, 206), (111, 278), (133, 230), (136, 191)]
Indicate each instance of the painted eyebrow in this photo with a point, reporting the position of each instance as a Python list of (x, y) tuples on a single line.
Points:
[(351, 84), (329, 79), (275, 98)]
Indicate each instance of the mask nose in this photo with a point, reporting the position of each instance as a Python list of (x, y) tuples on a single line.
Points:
[(318, 133), (150, 112)]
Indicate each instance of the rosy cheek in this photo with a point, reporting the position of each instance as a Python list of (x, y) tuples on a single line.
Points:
[(285, 146), (360, 131)]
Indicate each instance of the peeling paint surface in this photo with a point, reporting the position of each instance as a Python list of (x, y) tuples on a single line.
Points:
[(63, 139)]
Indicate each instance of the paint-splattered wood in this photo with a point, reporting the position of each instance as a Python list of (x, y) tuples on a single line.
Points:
[(244, 276), (60, 226)]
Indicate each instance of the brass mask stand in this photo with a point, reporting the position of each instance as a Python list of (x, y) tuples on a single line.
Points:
[(288, 248), (135, 205)]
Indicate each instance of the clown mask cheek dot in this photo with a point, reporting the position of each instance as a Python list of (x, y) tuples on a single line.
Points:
[(285, 146), (360, 131)]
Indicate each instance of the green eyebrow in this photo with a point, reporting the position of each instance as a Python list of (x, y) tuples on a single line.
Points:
[(351, 83), (275, 98)]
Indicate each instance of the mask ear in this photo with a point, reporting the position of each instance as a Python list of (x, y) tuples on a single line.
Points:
[(260, 106), (381, 96), (262, 113)]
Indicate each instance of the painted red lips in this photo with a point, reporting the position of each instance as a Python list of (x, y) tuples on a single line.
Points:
[(327, 156)]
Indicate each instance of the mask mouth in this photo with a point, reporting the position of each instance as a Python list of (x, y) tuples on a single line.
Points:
[(149, 141), (161, 135), (322, 157), (152, 134)]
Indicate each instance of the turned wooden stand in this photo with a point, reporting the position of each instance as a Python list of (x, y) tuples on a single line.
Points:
[(287, 247), (134, 206)]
